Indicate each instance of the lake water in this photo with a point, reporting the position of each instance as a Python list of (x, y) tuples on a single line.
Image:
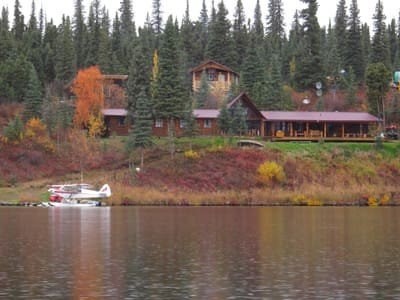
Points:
[(200, 253)]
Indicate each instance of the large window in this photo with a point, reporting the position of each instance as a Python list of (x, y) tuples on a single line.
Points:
[(159, 123)]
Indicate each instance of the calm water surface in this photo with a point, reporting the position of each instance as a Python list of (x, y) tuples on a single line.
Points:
[(200, 253)]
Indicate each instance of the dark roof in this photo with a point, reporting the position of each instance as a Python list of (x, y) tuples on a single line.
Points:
[(244, 97), (219, 66), (315, 116)]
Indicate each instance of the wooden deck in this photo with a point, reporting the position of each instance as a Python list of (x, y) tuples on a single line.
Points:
[(326, 139)]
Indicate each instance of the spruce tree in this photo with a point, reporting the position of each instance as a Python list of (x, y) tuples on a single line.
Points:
[(93, 34), (202, 94), (240, 36), (309, 62), (220, 43), (275, 28), (105, 50), (258, 27), (355, 58), (79, 34), (224, 120), (156, 20), (380, 43), (65, 54), (341, 21), (33, 98), (18, 24), (141, 135), (171, 95)]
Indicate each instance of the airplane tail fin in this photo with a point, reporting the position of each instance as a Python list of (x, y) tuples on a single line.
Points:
[(106, 189)]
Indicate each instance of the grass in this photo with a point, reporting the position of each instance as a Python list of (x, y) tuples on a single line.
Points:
[(318, 174)]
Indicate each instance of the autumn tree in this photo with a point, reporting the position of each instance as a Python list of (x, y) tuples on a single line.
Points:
[(88, 89)]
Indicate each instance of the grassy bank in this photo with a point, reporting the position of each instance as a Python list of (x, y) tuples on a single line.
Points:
[(214, 171)]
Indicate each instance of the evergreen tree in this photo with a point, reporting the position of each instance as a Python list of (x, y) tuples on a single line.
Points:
[(93, 34), (127, 31), (141, 136), (139, 77), (157, 18), (6, 40), (252, 76), (105, 48), (240, 38), (220, 44), (202, 94), (49, 52), (32, 41), (127, 24), (258, 27), (224, 120), (309, 62), (341, 21), (275, 28), (331, 61), (393, 42), (79, 34), (33, 98), (355, 58), (188, 45), (351, 89), (201, 35), (14, 74), (377, 79), (239, 120), (65, 54), (18, 25), (171, 95), (190, 128), (366, 43), (116, 47), (380, 44)]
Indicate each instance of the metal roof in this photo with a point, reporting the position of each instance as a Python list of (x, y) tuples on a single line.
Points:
[(117, 112), (316, 116), (206, 113)]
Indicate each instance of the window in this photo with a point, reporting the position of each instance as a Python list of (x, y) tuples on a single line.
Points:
[(182, 123), (207, 123), (212, 76), (121, 121), (159, 123)]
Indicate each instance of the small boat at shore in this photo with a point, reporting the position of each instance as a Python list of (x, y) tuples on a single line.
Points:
[(78, 195)]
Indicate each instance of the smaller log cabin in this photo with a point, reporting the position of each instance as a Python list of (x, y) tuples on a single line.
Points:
[(219, 78)]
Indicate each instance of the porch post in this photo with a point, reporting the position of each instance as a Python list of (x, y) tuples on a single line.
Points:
[(307, 129), (272, 129), (262, 130), (291, 128), (194, 81), (324, 130), (342, 130)]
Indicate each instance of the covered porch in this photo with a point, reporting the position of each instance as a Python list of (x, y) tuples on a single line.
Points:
[(320, 125)]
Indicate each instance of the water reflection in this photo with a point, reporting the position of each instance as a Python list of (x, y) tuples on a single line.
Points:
[(200, 253)]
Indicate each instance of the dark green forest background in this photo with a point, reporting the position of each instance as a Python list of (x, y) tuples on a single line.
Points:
[(38, 58)]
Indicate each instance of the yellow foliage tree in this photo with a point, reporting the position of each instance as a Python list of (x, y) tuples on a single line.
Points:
[(88, 89), (36, 132)]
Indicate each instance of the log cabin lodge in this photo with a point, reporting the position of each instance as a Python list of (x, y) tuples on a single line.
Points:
[(274, 125)]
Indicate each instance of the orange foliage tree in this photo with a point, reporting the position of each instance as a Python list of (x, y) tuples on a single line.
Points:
[(88, 89)]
